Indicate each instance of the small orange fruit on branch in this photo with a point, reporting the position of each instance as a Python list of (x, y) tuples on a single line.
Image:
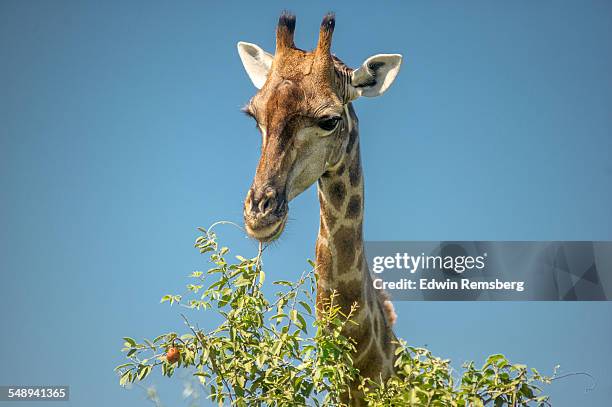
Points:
[(173, 355)]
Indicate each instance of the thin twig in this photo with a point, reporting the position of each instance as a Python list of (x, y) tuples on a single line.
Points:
[(563, 376)]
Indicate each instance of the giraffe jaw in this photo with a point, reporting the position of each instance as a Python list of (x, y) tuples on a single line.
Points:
[(267, 233)]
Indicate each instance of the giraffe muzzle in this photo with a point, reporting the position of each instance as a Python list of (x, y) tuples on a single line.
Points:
[(265, 213)]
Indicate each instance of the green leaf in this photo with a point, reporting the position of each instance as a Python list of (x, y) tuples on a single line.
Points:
[(159, 338), (143, 372), (306, 307), (302, 323), (130, 341), (283, 282), (123, 366)]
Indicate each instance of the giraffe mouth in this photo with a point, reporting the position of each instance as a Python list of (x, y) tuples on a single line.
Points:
[(268, 232)]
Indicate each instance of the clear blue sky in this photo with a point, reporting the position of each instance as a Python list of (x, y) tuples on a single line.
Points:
[(120, 132)]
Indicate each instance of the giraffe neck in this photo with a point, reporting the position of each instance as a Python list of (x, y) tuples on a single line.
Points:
[(341, 263), (340, 260)]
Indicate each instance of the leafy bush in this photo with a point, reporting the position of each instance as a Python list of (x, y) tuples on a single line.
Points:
[(262, 352)]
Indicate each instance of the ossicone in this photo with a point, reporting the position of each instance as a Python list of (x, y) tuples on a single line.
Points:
[(284, 31)]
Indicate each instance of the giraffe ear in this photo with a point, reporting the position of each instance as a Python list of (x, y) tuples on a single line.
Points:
[(256, 61), (376, 74)]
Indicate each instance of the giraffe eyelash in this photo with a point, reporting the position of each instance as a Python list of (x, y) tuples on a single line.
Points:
[(247, 110)]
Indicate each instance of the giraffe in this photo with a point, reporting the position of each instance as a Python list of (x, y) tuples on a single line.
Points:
[(303, 109)]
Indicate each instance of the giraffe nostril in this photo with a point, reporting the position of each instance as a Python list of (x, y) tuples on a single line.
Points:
[(261, 202), (268, 201), (266, 204)]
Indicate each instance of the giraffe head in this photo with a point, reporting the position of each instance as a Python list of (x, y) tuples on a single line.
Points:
[(300, 110)]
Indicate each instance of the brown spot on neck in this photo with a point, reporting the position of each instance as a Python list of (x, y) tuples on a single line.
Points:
[(353, 208), (355, 170), (337, 193), (346, 244)]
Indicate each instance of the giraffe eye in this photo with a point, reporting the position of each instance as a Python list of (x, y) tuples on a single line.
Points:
[(330, 123)]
